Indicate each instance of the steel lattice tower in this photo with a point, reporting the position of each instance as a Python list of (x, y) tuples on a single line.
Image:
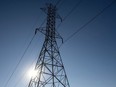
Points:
[(50, 68)]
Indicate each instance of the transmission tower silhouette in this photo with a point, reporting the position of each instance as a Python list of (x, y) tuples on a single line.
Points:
[(49, 66)]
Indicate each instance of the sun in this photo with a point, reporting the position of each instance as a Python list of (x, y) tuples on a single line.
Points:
[(32, 73)]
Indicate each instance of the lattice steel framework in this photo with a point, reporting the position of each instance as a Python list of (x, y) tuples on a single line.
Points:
[(51, 72)]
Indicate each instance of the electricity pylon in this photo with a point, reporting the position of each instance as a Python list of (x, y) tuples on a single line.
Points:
[(49, 66)]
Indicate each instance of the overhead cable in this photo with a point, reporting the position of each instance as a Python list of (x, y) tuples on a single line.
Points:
[(73, 34)]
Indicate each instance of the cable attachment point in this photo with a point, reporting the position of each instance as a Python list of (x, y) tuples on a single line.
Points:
[(41, 29), (58, 36)]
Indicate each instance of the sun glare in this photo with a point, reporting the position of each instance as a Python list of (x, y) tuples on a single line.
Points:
[(32, 73)]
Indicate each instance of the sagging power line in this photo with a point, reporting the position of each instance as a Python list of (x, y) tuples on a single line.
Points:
[(93, 18)]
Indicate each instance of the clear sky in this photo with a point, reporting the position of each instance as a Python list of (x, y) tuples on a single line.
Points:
[(89, 57)]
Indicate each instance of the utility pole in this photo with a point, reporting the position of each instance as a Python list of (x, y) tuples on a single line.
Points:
[(49, 66)]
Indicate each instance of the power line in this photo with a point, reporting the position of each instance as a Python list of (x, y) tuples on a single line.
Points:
[(24, 73), (58, 2), (19, 62), (70, 12), (73, 34), (21, 57), (19, 80), (61, 3), (66, 39), (73, 9)]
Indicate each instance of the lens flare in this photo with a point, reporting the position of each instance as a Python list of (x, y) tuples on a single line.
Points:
[(32, 73)]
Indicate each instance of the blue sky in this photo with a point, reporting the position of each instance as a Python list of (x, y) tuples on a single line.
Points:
[(89, 57)]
